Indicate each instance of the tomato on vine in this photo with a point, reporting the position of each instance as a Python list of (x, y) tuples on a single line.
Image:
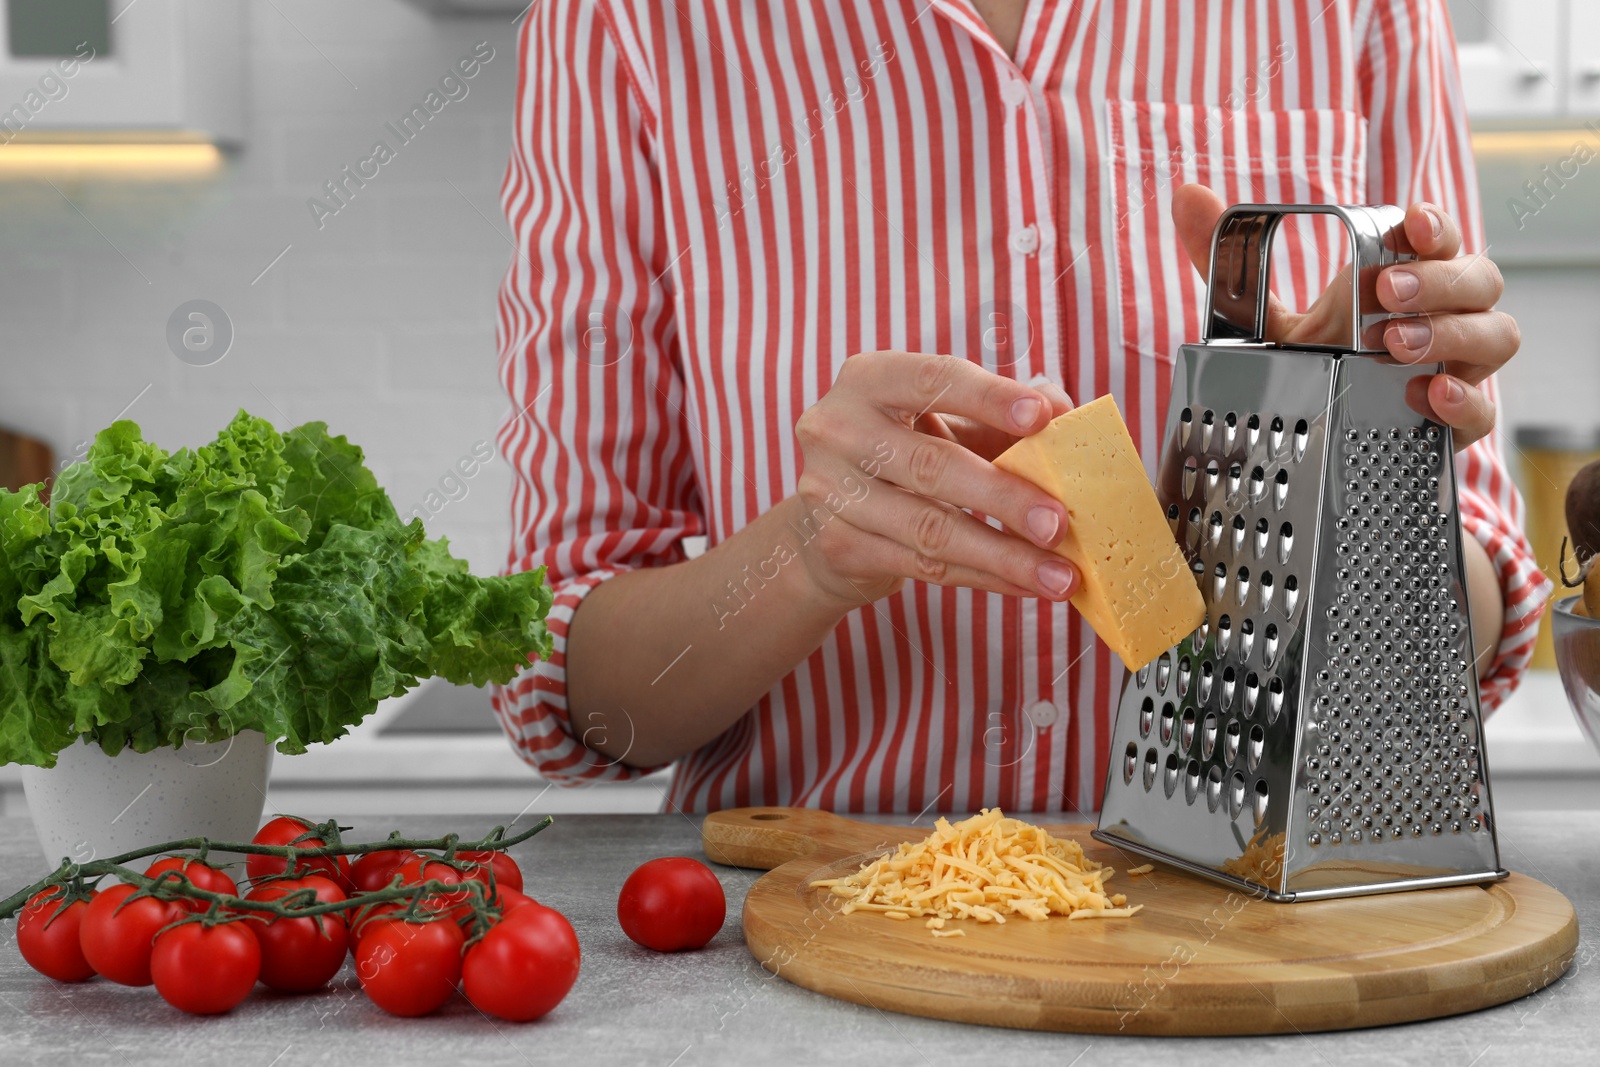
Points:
[(47, 934), (117, 933), (524, 965), (409, 968), (297, 955), (206, 970), (506, 871), (200, 875), (376, 870), (284, 830)]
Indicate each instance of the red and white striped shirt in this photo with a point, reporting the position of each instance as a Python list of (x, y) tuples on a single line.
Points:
[(717, 202)]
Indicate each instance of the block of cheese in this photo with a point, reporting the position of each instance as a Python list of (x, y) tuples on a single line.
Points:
[(1137, 589)]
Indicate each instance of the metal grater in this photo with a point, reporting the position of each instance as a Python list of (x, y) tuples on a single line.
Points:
[(1319, 735)]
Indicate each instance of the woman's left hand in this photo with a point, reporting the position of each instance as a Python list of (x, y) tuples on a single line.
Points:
[(1449, 297)]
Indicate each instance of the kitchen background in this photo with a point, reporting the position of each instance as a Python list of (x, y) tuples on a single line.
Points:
[(379, 317)]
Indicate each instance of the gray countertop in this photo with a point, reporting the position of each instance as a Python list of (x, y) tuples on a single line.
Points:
[(717, 1006)]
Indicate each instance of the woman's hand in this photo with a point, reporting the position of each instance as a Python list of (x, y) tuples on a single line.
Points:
[(895, 452), (1449, 297)]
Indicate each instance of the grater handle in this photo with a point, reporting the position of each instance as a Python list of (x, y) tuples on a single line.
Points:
[(1241, 266)]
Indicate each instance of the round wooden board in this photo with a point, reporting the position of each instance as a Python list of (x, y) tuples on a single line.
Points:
[(1199, 959)]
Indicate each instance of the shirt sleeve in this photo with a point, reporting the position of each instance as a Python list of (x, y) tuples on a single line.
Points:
[(603, 479), (1418, 149)]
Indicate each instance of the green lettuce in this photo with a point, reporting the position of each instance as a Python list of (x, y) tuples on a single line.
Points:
[(262, 582)]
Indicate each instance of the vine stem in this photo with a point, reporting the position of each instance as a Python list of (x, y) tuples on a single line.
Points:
[(173, 886)]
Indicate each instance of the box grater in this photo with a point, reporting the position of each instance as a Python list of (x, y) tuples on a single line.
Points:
[(1319, 735)]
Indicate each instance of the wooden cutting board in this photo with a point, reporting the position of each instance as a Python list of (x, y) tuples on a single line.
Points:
[(1198, 959)]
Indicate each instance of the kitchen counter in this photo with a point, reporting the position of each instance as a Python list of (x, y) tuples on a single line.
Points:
[(717, 1006)]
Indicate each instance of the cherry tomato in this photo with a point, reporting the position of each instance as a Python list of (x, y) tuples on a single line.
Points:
[(672, 903), (427, 869), (506, 871), (200, 875), (282, 831), (509, 899), (297, 955), (409, 968), (375, 870), (117, 939), (47, 934), (362, 919), (523, 966), (206, 970)]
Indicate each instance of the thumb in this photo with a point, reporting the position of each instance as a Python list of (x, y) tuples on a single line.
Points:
[(1195, 210)]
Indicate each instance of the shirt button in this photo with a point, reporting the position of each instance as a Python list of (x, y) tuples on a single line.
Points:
[(1014, 92), (1026, 240), (1044, 714)]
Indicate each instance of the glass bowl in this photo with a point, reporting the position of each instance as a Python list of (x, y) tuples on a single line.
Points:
[(1577, 641)]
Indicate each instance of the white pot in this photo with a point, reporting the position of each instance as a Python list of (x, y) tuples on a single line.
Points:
[(93, 806)]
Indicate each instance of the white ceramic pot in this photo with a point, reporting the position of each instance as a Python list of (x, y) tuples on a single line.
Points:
[(93, 806)]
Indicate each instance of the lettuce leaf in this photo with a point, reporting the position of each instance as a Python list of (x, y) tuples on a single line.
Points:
[(261, 582)]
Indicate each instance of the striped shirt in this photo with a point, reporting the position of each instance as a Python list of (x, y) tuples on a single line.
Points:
[(717, 202)]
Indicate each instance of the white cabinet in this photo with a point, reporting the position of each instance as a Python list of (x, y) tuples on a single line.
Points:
[(149, 68), (1583, 57), (1511, 56)]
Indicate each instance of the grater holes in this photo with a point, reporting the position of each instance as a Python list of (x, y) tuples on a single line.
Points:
[(1191, 480), (1232, 738), (1185, 428), (1147, 715), (1280, 490), (1191, 780), (1169, 719), (1219, 583), (1252, 433), (1208, 424), (1291, 595), (1130, 762), (1238, 534), (1169, 780), (1302, 439), (1235, 480), (1214, 787), (1256, 747), (1252, 693), (1141, 677), (1191, 537), (1213, 475), (1151, 762), (1258, 806), (1214, 529), (1236, 791), (1229, 683), (1274, 699), (1275, 437), (1163, 671), (1208, 735), (1185, 676), (1197, 640), (1268, 589), (1247, 638), (1186, 731), (1230, 431), (1207, 678), (1224, 634), (1242, 586), (1173, 511), (1269, 646), (1258, 485), (1262, 529)]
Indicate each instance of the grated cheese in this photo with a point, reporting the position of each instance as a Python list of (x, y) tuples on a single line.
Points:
[(1261, 861), (984, 868)]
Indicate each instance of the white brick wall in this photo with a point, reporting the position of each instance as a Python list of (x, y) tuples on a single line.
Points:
[(381, 324)]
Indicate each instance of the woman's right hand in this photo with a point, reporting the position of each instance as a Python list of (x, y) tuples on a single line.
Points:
[(897, 453)]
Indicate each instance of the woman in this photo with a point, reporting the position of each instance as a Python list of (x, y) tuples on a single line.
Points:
[(737, 223)]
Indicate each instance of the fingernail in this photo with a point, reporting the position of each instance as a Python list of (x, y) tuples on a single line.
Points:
[(1043, 523), (1024, 412), (1435, 223), (1055, 578), (1404, 283), (1414, 335), (1454, 393)]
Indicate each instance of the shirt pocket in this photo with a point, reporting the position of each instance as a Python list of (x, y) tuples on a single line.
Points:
[(1278, 157)]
